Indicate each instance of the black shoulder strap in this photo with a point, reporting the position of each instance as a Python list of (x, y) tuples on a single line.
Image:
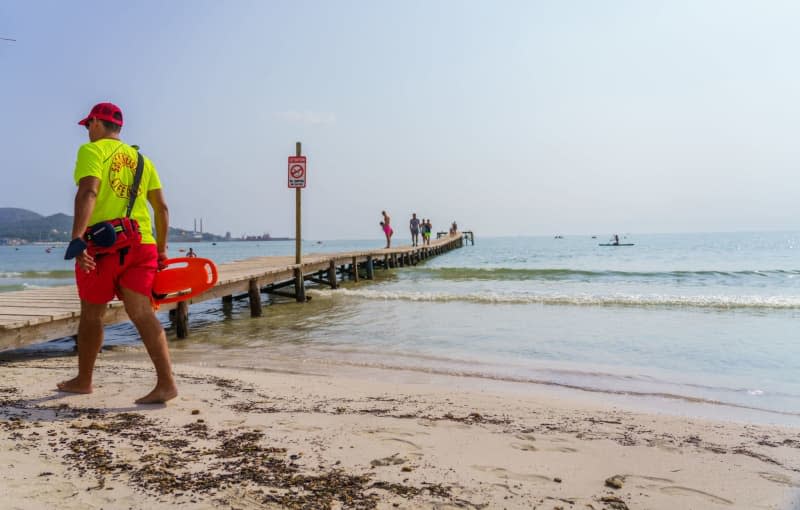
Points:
[(136, 180)]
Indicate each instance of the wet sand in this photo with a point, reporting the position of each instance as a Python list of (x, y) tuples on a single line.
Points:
[(285, 439)]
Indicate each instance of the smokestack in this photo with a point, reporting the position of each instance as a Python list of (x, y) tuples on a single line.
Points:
[(201, 225), (195, 225)]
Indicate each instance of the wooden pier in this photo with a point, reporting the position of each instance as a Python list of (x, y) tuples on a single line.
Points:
[(38, 315)]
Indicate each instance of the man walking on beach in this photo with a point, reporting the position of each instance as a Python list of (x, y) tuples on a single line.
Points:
[(114, 247)]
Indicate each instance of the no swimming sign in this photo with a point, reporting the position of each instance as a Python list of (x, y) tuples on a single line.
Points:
[(297, 171)]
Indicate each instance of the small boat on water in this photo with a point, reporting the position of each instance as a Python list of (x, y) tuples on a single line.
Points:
[(614, 241)]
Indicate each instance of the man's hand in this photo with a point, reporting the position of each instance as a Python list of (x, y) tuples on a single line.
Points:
[(86, 262), (162, 256)]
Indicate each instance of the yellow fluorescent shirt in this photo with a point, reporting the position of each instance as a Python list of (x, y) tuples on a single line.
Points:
[(114, 163)]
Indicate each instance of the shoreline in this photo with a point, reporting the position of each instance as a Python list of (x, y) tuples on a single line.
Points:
[(645, 395), (264, 438)]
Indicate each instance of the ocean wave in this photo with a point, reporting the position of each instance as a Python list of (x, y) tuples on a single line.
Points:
[(503, 273), (12, 288), (36, 275), (642, 300)]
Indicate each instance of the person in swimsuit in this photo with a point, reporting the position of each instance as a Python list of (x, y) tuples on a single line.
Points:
[(387, 228), (414, 225), (426, 231)]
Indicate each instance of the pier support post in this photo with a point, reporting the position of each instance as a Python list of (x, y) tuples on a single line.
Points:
[(332, 275), (370, 269), (181, 319), (355, 270), (299, 285), (255, 298), (227, 305)]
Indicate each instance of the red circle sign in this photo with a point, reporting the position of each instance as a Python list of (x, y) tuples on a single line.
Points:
[(297, 171)]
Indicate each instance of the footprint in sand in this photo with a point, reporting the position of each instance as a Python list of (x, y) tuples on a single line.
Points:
[(510, 475), (525, 447), (676, 490), (650, 478), (396, 432), (404, 441), (778, 478), (526, 437)]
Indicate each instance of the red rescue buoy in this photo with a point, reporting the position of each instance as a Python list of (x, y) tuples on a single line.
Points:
[(183, 278)]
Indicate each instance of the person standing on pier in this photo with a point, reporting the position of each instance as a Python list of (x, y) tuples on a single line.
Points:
[(426, 231), (114, 248), (387, 228), (414, 225)]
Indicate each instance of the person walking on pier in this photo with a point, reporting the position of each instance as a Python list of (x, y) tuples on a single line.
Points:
[(426, 231), (387, 228), (114, 249), (414, 225)]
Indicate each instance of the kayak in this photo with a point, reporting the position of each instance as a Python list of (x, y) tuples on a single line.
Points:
[(615, 244)]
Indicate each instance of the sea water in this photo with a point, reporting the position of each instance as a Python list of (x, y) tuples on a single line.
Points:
[(681, 322)]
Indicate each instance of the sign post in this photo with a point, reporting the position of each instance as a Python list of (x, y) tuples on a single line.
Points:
[(297, 180)]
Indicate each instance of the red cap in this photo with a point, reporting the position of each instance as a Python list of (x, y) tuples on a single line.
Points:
[(104, 111)]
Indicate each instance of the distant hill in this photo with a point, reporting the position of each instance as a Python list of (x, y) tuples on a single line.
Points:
[(12, 215), (30, 226)]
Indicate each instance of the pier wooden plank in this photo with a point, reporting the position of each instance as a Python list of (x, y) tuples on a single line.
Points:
[(36, 315)]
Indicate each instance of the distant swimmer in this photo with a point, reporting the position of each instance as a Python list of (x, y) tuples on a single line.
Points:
[(616, 239), (191, 253)]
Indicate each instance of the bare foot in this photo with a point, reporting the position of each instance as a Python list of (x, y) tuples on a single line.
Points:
[(74, 386), (159, 395)]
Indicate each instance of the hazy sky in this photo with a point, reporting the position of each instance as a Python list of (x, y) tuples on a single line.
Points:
[(512, 117)]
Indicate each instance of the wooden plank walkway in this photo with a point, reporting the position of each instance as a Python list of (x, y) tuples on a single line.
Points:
[(37, 315)]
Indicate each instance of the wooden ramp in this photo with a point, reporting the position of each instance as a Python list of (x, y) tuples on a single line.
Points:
[(37, 315)]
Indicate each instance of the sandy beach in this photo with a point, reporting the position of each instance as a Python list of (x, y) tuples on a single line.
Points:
[(306, 439)]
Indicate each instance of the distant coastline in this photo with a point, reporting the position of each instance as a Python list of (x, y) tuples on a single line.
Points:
[(22, 226)]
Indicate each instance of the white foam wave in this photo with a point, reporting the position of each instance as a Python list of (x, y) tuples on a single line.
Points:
[(709, 301), (10, 274)]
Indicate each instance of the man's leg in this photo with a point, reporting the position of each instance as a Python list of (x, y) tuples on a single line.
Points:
[(90, 339), (155, 340)]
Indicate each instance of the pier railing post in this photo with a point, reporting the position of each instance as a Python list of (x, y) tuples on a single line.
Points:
[(299, 282)]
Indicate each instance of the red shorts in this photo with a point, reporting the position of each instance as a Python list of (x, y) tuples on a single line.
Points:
[(137, 273)]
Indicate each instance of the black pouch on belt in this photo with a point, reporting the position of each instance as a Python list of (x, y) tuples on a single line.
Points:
[(102, 234)]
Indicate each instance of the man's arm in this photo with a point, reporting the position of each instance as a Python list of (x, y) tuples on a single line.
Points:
[(161, 213), (85, 199)]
